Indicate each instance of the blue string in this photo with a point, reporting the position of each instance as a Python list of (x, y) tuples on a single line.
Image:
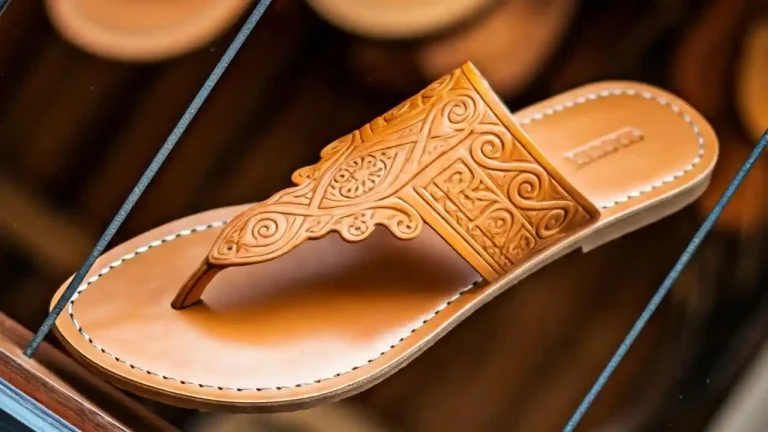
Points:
[(157, 162), (698, 238)]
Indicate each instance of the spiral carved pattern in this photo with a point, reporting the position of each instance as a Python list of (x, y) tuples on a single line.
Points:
[(443, 152), (502, 197)]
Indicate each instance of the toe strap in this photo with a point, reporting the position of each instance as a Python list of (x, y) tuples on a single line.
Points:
[(452, 156)]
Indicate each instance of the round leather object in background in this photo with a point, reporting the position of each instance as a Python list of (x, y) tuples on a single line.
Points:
[(751, 82), (396, 19), (142, 30)]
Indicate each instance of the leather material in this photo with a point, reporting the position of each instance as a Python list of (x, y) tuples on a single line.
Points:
[(141, 31), (398, 19), (331, 317), (451, 156), (751, 85)]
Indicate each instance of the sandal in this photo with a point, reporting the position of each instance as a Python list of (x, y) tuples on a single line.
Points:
[(473, 199)]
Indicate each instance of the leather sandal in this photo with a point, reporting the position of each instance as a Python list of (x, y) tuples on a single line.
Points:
[(234, 309)]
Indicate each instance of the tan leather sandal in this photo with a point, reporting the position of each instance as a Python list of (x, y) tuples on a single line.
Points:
[(234, 309)]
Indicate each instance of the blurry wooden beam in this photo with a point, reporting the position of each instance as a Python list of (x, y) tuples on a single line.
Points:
[(14, 28), (52, 240)]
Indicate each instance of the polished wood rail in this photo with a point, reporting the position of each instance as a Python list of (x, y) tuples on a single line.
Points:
[(58, 384)]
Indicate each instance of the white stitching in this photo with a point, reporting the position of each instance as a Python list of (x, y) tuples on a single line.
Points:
[(646, 95), (156, 243), (538, 116)]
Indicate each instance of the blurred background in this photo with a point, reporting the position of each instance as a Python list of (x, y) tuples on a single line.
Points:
[(90, 89)]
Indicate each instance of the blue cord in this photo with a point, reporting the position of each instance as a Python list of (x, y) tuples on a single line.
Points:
[(157, 162), (698, 238)]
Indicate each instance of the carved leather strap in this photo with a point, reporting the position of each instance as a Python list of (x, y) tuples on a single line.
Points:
[(451, 156)]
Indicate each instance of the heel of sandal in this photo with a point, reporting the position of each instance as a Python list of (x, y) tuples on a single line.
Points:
[(644, 216)]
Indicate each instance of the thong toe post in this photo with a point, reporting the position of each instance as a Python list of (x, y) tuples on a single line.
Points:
[(401, 230)]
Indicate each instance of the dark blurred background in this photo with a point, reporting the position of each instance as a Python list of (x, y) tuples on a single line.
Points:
[(78, 127)]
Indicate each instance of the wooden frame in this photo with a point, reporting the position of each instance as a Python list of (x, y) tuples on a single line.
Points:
[(48, 391), (28, 412)]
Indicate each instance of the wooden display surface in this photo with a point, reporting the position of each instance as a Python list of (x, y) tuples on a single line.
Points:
[(34, 395)]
